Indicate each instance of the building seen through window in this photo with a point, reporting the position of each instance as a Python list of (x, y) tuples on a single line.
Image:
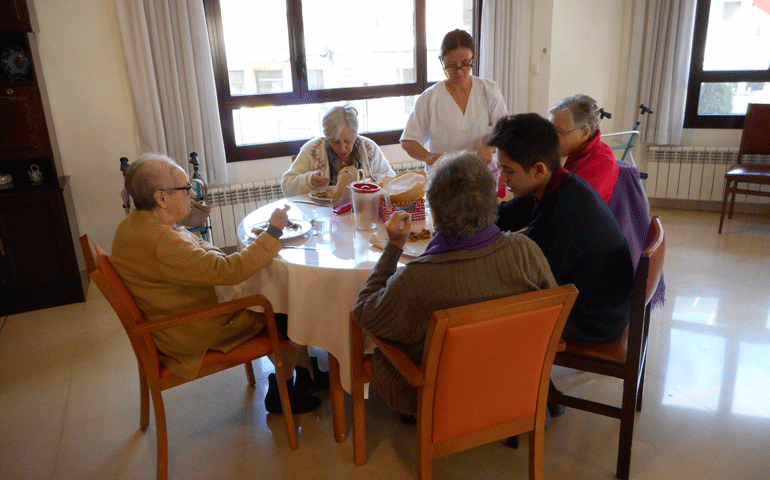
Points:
[(730, 65)]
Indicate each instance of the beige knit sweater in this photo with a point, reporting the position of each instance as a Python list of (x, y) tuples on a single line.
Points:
[(169, 271)]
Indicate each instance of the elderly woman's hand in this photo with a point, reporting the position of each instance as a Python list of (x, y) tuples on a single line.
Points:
[(398, 227), (279, 219), (486, 153), (318, 180)]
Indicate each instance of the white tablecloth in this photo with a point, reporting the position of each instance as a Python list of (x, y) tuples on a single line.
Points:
[(319, 288)]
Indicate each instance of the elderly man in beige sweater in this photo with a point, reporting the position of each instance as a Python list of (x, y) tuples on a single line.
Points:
[(169, 270)]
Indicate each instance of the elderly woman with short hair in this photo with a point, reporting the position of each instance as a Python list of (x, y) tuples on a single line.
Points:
[(321, 159), (577, 122), (468, 260)]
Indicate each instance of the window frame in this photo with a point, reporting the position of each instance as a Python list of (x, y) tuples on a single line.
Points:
[(698, 76), (300, 93)]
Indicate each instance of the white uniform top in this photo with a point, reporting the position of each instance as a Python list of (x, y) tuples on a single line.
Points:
[(438, 120)]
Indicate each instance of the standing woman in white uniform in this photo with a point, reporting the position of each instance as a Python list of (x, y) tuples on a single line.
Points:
[(457, 113)]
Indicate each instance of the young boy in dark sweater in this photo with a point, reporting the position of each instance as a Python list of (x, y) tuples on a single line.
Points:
[(570, 223)]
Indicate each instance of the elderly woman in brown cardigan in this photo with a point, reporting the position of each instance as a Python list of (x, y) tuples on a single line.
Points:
[(469, 260)]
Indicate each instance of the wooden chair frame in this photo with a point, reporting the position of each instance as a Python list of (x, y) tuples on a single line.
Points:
[(154, 377), (624, 358), (755, 140), (425, 376)]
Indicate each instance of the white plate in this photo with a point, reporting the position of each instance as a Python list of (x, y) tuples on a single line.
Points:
[(314, 194), (415, 249), (411, 249), (302, 228)]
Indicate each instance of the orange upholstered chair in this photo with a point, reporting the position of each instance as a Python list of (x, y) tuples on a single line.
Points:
[(624, 358), (755, 140), (491, 358), (154, 377)]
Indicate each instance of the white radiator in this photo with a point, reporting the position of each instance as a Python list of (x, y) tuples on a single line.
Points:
[(695, 173), (231, 203)]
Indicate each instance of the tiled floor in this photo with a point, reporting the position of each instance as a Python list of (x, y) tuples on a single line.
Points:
[(69, 394)]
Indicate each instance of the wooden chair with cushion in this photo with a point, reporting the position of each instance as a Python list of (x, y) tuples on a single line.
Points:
[(484, 374), (625, 357), (154, 377), (755, 140)]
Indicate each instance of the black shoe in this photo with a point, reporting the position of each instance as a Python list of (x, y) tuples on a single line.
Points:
[(407, 419), (300, 403), (556, 410), (320, 378), (513, 441), (305, 384)]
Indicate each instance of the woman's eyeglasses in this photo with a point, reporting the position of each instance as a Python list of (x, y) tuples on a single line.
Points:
[(460, 66), (561, 134)]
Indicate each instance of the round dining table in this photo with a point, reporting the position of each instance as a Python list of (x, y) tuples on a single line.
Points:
[(316, 279)]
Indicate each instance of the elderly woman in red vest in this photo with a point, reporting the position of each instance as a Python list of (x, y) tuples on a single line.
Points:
[(577, 122)]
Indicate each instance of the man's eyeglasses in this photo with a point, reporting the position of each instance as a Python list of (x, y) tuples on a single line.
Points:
[(464, 64), (187, 187)]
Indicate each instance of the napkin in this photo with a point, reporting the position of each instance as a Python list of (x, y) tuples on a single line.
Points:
[(343, 206), (378, 241), (345, 177), (407, 187)]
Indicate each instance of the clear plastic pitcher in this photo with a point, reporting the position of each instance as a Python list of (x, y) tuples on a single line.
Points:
[(366, 203)]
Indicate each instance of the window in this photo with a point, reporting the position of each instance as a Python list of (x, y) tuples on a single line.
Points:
[(280, 65), (730, 63)]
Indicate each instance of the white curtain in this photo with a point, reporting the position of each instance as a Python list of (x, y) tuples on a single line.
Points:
[(172, 82), (506, 27), (656, 58)]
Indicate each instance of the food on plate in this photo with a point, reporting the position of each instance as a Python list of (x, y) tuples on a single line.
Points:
[(262, 228), (322, 194), (421, 235)]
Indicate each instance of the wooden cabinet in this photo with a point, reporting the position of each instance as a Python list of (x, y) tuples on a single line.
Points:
[(23, 131), (14, 15), (38, 265), (37, 256)]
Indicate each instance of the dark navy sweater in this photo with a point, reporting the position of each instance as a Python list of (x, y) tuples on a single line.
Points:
[(584, 246)]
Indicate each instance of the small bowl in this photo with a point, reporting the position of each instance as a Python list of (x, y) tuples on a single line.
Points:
[(6, 179)]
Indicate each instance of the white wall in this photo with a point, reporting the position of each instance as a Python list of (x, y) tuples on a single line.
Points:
[(540, 56), (585, 52), (711, 137), (82, 61)]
